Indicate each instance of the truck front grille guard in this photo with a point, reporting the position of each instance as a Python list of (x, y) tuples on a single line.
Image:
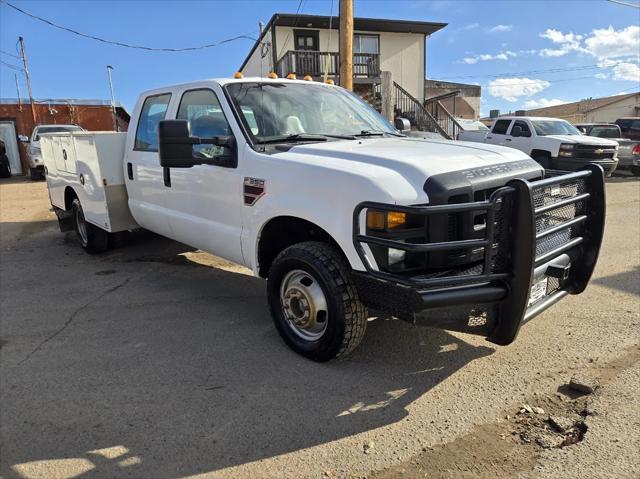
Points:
[(529, 224)]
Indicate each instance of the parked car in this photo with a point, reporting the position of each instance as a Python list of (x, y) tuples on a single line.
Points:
[(334, 207), (630, 127), (554, 143), (628, 150), (36, 165), (5, 166)]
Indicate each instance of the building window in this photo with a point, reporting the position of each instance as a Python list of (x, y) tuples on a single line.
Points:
[(366, 44)]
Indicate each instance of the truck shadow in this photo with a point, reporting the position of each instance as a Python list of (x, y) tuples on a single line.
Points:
[(181, 373)]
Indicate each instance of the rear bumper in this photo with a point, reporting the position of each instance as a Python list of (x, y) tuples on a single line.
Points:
[(544, 233)]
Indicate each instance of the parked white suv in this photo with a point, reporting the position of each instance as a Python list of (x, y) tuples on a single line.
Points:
[(36, 165), (552, 142)]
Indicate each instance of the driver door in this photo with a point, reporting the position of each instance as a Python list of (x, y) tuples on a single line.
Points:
[(204, 201), (523, 142)]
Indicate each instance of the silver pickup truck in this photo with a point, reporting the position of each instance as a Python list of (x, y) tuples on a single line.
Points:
[(628, 150)]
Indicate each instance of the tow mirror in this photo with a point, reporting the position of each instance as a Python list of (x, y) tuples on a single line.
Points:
[(516, 131), (176, 146), (583, 130), (402, 125), (23, 138)]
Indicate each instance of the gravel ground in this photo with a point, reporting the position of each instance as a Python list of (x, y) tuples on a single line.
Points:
[(157, 361)]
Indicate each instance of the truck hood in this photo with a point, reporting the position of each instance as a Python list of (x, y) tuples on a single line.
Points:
[(401, 166), (409, 156), (583, 140)]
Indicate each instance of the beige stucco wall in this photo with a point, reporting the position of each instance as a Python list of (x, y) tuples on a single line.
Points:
[(610, 113), (256, 65), (400, 53)]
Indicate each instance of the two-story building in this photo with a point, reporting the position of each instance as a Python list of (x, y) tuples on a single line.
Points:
[(309, 45)]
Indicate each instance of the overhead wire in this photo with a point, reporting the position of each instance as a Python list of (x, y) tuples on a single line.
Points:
[(123, 44)]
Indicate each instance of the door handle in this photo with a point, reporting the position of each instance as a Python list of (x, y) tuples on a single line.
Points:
[(166, 175), (489, 137), (130, 170), (508, 139)]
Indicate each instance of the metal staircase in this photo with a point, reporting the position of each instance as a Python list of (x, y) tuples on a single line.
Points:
[(407, 106)]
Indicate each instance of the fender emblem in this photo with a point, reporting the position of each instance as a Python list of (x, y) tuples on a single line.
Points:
[(253, 190), (599, 151)]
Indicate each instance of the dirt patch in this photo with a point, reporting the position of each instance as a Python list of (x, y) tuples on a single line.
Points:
[(505, 448)]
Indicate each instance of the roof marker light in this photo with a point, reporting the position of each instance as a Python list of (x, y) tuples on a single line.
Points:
[(272, 75), (308, 78), (330, 81), (238, 75), (291, 76)]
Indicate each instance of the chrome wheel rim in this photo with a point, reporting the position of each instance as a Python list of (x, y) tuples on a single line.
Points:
[(304, 305), (81, 226)]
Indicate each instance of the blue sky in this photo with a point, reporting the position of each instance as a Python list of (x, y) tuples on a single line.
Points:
[(508, 47)]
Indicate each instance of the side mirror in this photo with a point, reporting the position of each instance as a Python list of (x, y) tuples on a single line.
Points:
[(23, 138), (583, 130), (402, 125), (175, 146), (516, 131)]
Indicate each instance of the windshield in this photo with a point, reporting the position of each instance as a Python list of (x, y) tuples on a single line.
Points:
[(554, 127), (605, 132), (55, 129), (294, 111)]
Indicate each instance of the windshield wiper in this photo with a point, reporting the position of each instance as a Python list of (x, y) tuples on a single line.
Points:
[(376, 133), (304, 137)]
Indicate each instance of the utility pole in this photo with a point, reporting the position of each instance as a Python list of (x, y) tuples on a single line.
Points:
[(18, 92), (113, 102), (23, 53), (346, 44)]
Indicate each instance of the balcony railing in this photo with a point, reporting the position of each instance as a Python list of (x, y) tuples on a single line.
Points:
[(307, 62)]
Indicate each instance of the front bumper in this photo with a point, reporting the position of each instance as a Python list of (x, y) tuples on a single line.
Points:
[(546, 232), (609, 165)]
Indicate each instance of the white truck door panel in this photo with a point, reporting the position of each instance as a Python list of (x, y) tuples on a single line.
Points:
[(498, 134), (204, 202), (142, 170), (522, 143)]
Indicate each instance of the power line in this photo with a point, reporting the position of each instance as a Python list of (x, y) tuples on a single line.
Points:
[(14, 67), (624, 3), (529, 72), (127, 45), (295, 24), (10, 54)]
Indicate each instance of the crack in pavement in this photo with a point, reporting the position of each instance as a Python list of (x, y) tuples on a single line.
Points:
[(70, 320)]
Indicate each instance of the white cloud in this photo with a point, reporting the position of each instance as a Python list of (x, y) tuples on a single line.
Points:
[(500, 28), (626, 72), (542, 103), (487, 57), (568, 42), (601, 76), (471, 26), (611, 43), (510, 89)]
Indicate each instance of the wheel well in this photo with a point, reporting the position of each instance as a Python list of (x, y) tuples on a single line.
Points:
[(69, 196), (535, 153), (281, 232)]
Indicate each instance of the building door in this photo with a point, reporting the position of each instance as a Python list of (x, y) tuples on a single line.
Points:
[(307, 44), (8, 135)]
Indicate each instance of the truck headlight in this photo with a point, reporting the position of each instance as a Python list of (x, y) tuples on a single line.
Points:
[(566, 149), (381, 220)]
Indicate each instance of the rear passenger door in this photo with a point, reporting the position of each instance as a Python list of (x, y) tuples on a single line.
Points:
[(498, 134), (143, 173)]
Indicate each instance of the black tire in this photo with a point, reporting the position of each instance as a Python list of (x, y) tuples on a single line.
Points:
[(543, 160), (5, 168), (635, 170), (346, 316), (94, 240), (35, 174)]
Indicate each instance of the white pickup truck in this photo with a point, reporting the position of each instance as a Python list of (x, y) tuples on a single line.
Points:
[(314, 191), (552, 142)]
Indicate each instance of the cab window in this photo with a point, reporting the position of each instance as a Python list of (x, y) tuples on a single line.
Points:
[(153, 111), (501, 127), (202, 110)]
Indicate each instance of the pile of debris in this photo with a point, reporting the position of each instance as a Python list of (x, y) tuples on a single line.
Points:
[(561, 422)]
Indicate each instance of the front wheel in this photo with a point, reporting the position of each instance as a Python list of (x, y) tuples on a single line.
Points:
[(93, 239), (543, 160), (314, 303)]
